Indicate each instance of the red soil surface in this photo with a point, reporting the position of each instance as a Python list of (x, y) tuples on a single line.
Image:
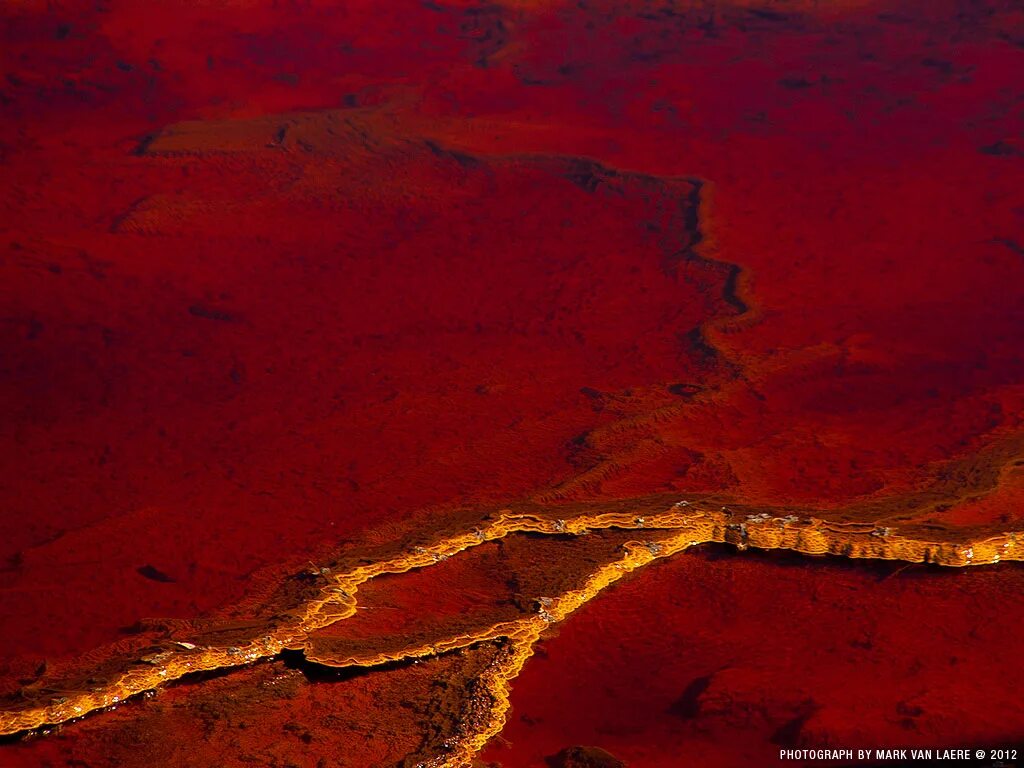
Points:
[(274, 276), (661, 673)]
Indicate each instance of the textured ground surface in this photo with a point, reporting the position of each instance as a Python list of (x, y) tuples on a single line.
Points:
[(315, 286)]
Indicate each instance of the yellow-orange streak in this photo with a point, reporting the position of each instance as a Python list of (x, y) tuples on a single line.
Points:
[(338, 600), (490, 704)]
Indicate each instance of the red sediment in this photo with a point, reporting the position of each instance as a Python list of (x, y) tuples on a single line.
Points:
[(725, 661), (273, 280)]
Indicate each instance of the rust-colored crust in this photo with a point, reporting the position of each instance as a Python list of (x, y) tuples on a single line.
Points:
[(668, 528)]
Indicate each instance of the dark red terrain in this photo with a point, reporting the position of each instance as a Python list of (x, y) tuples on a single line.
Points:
[(280, 276)]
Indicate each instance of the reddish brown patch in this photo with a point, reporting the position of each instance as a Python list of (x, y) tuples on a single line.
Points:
[(274, 278)]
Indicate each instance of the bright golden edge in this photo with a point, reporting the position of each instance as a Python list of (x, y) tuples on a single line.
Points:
[(490, 702)]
